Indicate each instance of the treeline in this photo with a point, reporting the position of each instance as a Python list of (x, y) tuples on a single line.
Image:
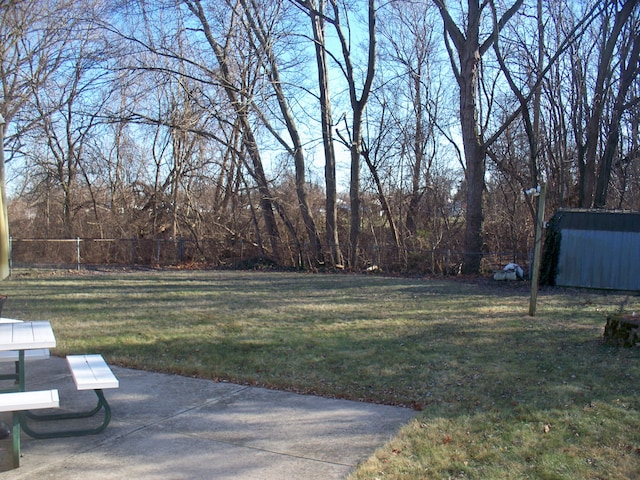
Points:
[(310, 128)]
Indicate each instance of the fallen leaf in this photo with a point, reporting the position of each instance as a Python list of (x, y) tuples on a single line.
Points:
[(447, 439), (547, 428)]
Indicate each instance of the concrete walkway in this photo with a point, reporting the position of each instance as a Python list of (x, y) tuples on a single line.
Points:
[(172, 427)]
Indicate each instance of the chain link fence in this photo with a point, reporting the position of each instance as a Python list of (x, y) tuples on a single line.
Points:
[(82, 253)]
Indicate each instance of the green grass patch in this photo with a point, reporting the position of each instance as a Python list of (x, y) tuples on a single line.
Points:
[(500, 394)]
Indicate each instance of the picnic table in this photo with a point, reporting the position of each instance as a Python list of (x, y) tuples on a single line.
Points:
[(18, 337), (22, 340)]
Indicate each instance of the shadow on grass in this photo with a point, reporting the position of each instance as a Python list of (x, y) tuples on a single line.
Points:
[(488, 379), (477, 366)]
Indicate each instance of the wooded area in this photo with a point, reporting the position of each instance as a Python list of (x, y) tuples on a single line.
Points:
[(310, 128)]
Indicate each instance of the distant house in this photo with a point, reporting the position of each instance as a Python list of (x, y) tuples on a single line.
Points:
[(593, 249)]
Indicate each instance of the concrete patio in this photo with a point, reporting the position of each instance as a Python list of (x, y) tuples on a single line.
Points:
[(172, 427)]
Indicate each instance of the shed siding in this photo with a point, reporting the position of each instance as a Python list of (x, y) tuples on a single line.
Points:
[(599, 259)]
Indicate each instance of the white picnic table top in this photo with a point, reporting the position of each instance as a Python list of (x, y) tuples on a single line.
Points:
[(26, 335)]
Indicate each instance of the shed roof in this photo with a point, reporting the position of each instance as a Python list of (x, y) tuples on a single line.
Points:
[(598, 220)]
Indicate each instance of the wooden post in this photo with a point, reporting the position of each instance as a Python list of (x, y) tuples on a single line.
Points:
[(537, 247)]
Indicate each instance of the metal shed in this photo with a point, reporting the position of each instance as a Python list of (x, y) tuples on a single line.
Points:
[(593, 249)]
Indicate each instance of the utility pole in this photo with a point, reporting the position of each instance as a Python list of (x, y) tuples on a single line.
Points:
[(541, 193)]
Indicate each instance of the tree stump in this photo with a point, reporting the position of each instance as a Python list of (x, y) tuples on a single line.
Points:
[(622, 330)]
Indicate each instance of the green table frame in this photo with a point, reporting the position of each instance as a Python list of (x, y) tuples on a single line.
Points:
[(101, 405)]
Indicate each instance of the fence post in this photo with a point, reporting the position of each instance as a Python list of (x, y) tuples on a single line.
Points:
[(181, 250), (448, 262), (78, 253)]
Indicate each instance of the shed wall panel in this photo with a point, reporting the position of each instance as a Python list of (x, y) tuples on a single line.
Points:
[(599, 259)]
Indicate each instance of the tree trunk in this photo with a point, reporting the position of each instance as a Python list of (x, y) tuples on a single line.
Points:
[(469, 52), (383, 200), (258, 174), (418, 154), (474, 152), (331, 201), (630, 71), (358, 106), (592, 132), (316, 13)]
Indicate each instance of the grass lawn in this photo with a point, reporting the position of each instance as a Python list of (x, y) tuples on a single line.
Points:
[(500, 395)]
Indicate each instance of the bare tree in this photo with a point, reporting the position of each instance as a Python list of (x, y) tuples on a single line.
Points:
[(609, 39), (371, 154), (33, 36), (265, 40), (629, 65), (316, 12), (470, 47), (358, 102), (409, 53), (205, 43), (68, 112), (627, 166)]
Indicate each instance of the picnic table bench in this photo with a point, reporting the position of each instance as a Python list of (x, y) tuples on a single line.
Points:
[(90, 372), (13, 401), (18, 401)]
